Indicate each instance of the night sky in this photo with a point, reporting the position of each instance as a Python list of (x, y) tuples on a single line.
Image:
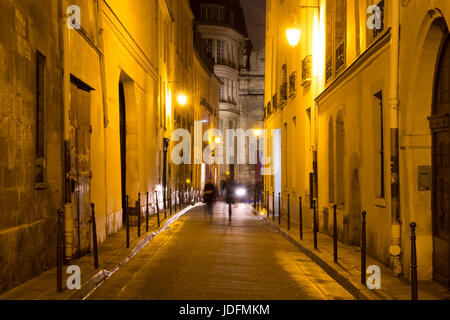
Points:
[(255, 14)]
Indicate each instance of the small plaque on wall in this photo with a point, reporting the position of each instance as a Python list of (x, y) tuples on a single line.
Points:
[(425, 178)]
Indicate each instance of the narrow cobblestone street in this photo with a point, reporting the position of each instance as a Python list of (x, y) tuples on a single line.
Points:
[(202, 257)]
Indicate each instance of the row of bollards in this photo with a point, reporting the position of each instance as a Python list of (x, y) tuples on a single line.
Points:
[(59, 251), (180, 200), (258, 200), (414, 281), (363, 248)]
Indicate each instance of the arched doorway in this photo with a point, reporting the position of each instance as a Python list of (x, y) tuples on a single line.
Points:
[(440, 132), (128, 130)]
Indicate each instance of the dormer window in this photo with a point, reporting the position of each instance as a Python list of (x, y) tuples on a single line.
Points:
[(206, 14), (220, 15), (213, 14)]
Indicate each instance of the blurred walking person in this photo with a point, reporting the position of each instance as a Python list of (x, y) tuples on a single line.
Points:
[(209, 195)]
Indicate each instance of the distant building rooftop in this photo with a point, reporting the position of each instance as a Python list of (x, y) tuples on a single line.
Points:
[(228, 13)]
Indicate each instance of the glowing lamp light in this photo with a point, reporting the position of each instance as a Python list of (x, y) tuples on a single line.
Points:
[(217, 140), (188, 181), (257, 132), (241, 192), (182, 99), (293, 36)]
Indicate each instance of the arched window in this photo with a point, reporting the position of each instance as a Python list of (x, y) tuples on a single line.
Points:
[(331, 162), (340, 148)]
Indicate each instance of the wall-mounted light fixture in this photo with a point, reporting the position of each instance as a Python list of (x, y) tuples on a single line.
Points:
[(293, 32), (182, 99), (257, 132)]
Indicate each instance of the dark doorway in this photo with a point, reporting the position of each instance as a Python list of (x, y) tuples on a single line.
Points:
[(81, 164), (440, 130), (123, 146)]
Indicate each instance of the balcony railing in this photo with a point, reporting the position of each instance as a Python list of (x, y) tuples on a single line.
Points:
[(229, 101), (267, 111), (292, 83), (208, 106), (226, 62), (329, 69), (275, 102), (376, 31), (340, 56), (307, 71), (283, 93)]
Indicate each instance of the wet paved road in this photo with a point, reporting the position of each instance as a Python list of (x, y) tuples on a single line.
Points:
[(203, 258)]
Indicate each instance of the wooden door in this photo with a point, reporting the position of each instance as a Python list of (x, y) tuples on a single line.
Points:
[(439, 123), (81, 167)]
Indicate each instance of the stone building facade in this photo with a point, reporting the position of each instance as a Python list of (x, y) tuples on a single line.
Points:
[(31, 187), (221, 26), (363, 123), (251, 97), (88, 104)]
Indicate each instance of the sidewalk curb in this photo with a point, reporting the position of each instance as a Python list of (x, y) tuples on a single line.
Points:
[(355, 289), (98, 279)]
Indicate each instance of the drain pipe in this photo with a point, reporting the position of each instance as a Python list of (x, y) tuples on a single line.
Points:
[(395, 248), (68, 218)]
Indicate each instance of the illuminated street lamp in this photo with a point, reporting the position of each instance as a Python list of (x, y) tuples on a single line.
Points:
[(257, 132), (182, 99), (293, 35)]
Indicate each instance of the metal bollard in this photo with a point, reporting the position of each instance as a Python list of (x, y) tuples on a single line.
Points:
[(414, 290), (363, 248), (147, 214), (258, 203), (94, 235), (157, 209), (127, 222), (59, 250), (254, 200), (289, 212), (335, 237), (175, 200), (260, 200), (301, 217), (279, 207), (139, 214), (273, 206), (315, 229), (170, 201)]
